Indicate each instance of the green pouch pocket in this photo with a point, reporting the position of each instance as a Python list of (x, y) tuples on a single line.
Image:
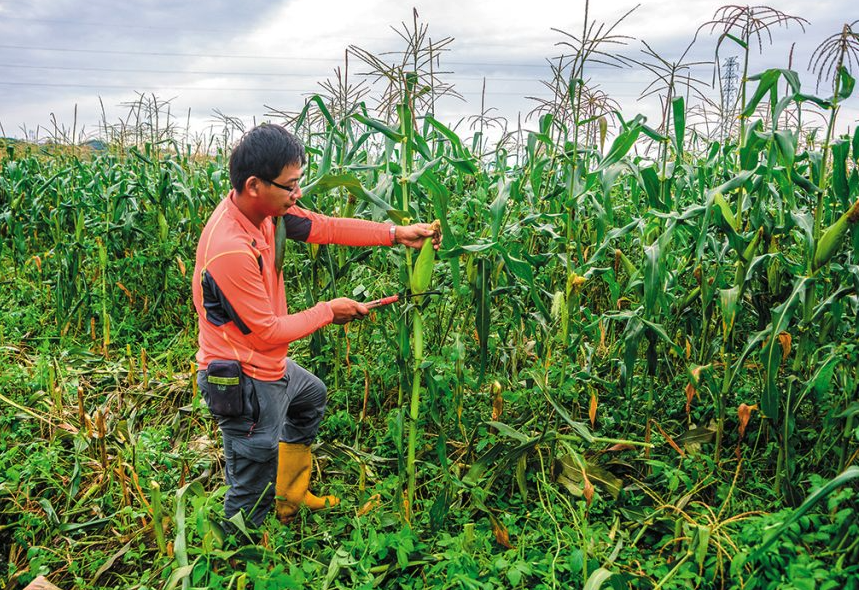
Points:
[(224, 380)]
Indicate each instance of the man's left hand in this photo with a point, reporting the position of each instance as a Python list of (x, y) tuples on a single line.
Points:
[(414, 235)]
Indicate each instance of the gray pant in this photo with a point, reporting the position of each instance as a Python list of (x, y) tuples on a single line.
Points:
[(290, 410)]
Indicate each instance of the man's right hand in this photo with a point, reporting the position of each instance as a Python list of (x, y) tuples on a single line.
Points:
[(345, 310)]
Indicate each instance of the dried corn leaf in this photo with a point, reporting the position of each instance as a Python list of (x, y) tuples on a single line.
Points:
[(588, 488), (744, 413), (690, 393), (785, 340), (670, 440), (374, 502), (500, 532), (570, 476)]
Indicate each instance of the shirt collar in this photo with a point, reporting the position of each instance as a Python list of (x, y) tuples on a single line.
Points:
[(245, 223)]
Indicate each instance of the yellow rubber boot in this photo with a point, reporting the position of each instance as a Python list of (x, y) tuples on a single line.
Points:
[(293, 480)]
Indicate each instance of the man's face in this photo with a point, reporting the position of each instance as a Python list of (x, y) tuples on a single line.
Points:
[(281, 193)]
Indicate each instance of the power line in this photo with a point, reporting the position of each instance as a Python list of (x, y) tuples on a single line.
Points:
[(453, 76), (538, 37), (164, 53), (281, 58), (57, 21), (231, 89), (122, 87), (214, 73)]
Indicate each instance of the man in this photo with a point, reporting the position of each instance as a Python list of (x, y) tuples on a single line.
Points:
[(267, 406)]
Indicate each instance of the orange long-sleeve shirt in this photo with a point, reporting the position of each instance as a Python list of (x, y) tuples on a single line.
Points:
[(239, 295)]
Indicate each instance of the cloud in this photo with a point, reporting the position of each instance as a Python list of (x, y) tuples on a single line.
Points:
[(238, 57)]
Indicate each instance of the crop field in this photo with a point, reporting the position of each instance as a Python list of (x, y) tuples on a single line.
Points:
[(640, 368)]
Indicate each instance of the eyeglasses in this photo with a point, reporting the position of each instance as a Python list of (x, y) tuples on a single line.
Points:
[(289, 189)]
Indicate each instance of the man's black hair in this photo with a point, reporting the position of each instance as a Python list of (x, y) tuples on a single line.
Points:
[(263, 152)]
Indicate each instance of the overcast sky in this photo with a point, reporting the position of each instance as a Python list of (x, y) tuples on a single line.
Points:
[(237, 57)]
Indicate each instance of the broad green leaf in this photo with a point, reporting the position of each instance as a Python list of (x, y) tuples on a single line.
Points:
[(659, 331), (729, 304), (771, 355), (440, 198), (320, 104), (733, 183), (497, 208), (768, 79), (840, 152), (752, 146), (631, 340), (786, 142), (651, 185), (678, 107), (464, 166), (351, 184), (621, 145), (726, 215), (572, 468), (846, 84), (519, 268), (388, 132), (847, 475), (736, 40), (653, 279), (416, 176), (580, 428), (508, 431), (597, 578), (701, 543), (855, 145)]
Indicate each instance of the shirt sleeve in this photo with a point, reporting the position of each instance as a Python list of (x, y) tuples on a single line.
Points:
[(307, 226), (237, 277)]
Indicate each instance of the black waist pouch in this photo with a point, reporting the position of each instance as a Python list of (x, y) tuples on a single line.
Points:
[(224, 379)]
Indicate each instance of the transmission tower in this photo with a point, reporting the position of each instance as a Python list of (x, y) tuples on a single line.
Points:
[(729, 91)]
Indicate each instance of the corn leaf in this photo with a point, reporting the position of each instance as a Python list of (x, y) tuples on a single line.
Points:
[(849, 474), (840, 151), (497, 207), (653, 279), (323, 110), (679, 109), (621, 144), (388, 132), (597, 578), (768, 80), (771, 355), (351, 184)]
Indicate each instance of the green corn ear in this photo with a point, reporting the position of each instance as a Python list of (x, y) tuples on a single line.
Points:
[(621, 259), (747, 256), (603, 126), (423, 268), (749, 252), (80, 223), (725, 209), (773, 270), (829, 242), (163, 228)]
